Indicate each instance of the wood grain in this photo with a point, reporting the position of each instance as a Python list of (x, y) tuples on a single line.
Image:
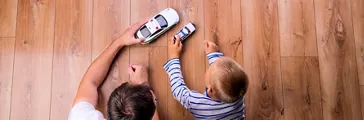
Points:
[(362, 100), (33, 60), (140, 56), (223, 26), (145, 9), (8, 9), (338, 70), (72, 53), (264, 99), (297, 28), (159, 79), (358, 23), (44, 52), (6, 75), (301, 86), (110, 19)]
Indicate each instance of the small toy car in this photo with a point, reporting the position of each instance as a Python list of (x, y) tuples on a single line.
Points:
[(158, 25), (186, 31)]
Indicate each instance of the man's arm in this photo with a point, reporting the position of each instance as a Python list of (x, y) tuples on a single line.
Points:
[(96, 73)]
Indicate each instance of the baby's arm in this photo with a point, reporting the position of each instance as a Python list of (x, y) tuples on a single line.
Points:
[(179, 88), (173, 68), (212, 57), (212, 51)]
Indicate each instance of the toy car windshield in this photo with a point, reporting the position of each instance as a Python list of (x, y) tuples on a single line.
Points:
[(145, 32), (162, 23)]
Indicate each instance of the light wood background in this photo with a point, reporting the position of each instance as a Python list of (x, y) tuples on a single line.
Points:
[(304, 58)]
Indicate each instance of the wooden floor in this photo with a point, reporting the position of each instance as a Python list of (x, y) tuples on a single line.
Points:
[(304, 58)]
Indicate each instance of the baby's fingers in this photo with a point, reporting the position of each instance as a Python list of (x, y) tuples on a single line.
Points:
[(180, 45), (206, 44), (171, 41), (178, 40)]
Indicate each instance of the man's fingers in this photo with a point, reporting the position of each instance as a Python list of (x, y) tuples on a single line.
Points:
[(138, 67), (140, 24), (131, 70), (140, 40), (137, 25)]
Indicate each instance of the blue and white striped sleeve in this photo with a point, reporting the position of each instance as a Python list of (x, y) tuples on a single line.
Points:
[(179, 89), (212, 57)]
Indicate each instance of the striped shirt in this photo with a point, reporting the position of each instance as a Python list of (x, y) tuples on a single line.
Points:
[(201, 105)]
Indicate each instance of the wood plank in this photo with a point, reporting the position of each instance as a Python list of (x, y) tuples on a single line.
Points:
[(193, 57), (223, 26), (154, 58), (362, 100), (336, 49), (140, 56), (145, 9), (33, 60), (159, 79), (358, 23), (110, 19), (264, 99), (6, 75), (297, 28), (72, 53), (8, 9), (301, 84)]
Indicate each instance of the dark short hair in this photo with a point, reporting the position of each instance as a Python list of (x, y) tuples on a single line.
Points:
[(131, 102)]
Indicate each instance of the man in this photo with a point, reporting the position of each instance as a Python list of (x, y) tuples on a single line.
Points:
[(132, 100)]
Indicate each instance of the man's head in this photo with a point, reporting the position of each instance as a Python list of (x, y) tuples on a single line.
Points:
[(226, 80), (131, 102)]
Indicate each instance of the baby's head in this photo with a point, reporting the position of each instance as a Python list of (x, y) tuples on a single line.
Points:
[(226, 81)]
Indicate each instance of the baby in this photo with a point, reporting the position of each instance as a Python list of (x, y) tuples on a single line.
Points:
[(226, 84)]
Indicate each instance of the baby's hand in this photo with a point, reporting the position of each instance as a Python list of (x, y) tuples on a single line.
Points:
[(210, 47), (174, 47)]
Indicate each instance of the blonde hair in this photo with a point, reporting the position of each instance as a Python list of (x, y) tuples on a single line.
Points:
[(228, 80)]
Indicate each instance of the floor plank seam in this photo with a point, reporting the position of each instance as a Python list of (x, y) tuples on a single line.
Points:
[(12, 76), (54, 40)]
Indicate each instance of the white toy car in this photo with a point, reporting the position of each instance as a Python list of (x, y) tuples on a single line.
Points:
[(158, 25), (186, 31)]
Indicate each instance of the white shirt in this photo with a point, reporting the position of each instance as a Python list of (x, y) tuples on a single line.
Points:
[(85, 111)]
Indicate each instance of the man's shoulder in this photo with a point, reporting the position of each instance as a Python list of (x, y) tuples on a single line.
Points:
[(84, 111)]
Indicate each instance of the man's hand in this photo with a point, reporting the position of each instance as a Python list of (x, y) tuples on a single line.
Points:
[(210, 47), (128, 38), (138, 75), (174, 47)]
